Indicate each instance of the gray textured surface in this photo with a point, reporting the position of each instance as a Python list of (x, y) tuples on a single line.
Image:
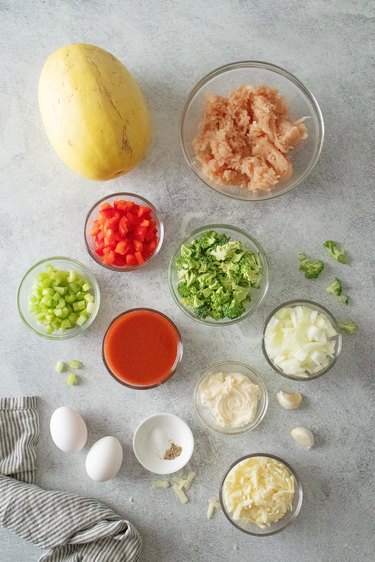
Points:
[(169, 46)]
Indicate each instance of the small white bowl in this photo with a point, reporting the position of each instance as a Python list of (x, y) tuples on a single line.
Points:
[(154, 436)]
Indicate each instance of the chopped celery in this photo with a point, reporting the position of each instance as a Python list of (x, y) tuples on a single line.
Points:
[(75, 364), (60, 366), (72, 276), (72, 379), (79, 305), (81, 320), (65, 324), (60, 300), (90, 307)]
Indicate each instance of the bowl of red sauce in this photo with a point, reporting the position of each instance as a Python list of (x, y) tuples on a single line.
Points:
[(142, 348)]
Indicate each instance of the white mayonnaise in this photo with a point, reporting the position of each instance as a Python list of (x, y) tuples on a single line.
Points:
[(231, 398)]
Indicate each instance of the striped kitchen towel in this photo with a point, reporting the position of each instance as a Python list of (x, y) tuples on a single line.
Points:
[(72, 528)]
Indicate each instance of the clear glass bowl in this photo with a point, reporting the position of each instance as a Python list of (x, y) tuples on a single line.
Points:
[(204, 413), (24, 291), (176, 362), (299, 100), (93, 213), (250, 243), (252, 529), (338, 339)]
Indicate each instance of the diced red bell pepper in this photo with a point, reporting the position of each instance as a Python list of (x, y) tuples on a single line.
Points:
[(139, 258), (138, 246), (131, 260), (125, 234), (144, 212), (109, 258), (123, 226)]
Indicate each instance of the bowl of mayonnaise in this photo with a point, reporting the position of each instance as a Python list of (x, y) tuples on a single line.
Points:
[(230, 398)]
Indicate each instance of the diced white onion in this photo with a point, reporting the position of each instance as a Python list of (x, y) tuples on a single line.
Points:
[(299, 340)]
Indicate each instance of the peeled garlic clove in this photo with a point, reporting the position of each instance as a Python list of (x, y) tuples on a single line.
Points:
[(303, 436), (289, 400)]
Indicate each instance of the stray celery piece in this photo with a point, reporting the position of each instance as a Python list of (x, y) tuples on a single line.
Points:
[(72, 379), (75, 364), (60, 367)]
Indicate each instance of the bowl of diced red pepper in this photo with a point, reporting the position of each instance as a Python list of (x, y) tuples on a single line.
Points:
[(123, 232)]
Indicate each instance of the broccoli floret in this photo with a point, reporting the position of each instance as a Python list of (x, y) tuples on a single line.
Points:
[(344, 299), (233, 309), (336, 252), (348, 326), (335, 288), (211, 238), (183, 290), (251, 269), (311, 268), (203, 311), (230, 251)]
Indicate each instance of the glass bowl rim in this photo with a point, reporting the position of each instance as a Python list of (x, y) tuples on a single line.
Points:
[(124, 269), (293, 514), (273, 68), (260, 412), (178, 359), (259, 249), (320, 307), (69, 333)]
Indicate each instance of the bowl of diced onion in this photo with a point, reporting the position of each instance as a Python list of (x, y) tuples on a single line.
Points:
[(58, 298), (301, 340), (261, 494)]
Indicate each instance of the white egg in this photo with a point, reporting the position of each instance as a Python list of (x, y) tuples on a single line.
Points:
[(68, 430), (104, 459)]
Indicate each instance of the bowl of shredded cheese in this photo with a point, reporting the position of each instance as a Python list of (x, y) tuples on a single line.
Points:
[(261, 494)]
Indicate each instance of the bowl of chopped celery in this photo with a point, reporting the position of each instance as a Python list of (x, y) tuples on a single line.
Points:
[(58, 298), (301, 340), (218, 275)]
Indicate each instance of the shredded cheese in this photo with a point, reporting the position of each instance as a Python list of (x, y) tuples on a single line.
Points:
[(259, 490), (213, 505), (160, 484), (180, 493)]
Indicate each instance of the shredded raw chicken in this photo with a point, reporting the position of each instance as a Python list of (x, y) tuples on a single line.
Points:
[(244, 139)]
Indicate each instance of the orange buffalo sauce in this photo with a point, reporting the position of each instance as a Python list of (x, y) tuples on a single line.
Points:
[(142, 348)]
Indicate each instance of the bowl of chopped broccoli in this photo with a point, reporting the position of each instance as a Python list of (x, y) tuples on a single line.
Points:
[(218, 275)]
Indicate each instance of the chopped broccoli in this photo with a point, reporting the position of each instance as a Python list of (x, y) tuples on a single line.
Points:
[(344, 299), (311, 268), (233, 309), (335, 288), (230, 250), (348, 326), (203, 311), (216, 275), (336, 252)]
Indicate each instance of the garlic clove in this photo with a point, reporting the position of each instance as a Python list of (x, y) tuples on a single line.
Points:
[(303, 436), (289, 400)]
